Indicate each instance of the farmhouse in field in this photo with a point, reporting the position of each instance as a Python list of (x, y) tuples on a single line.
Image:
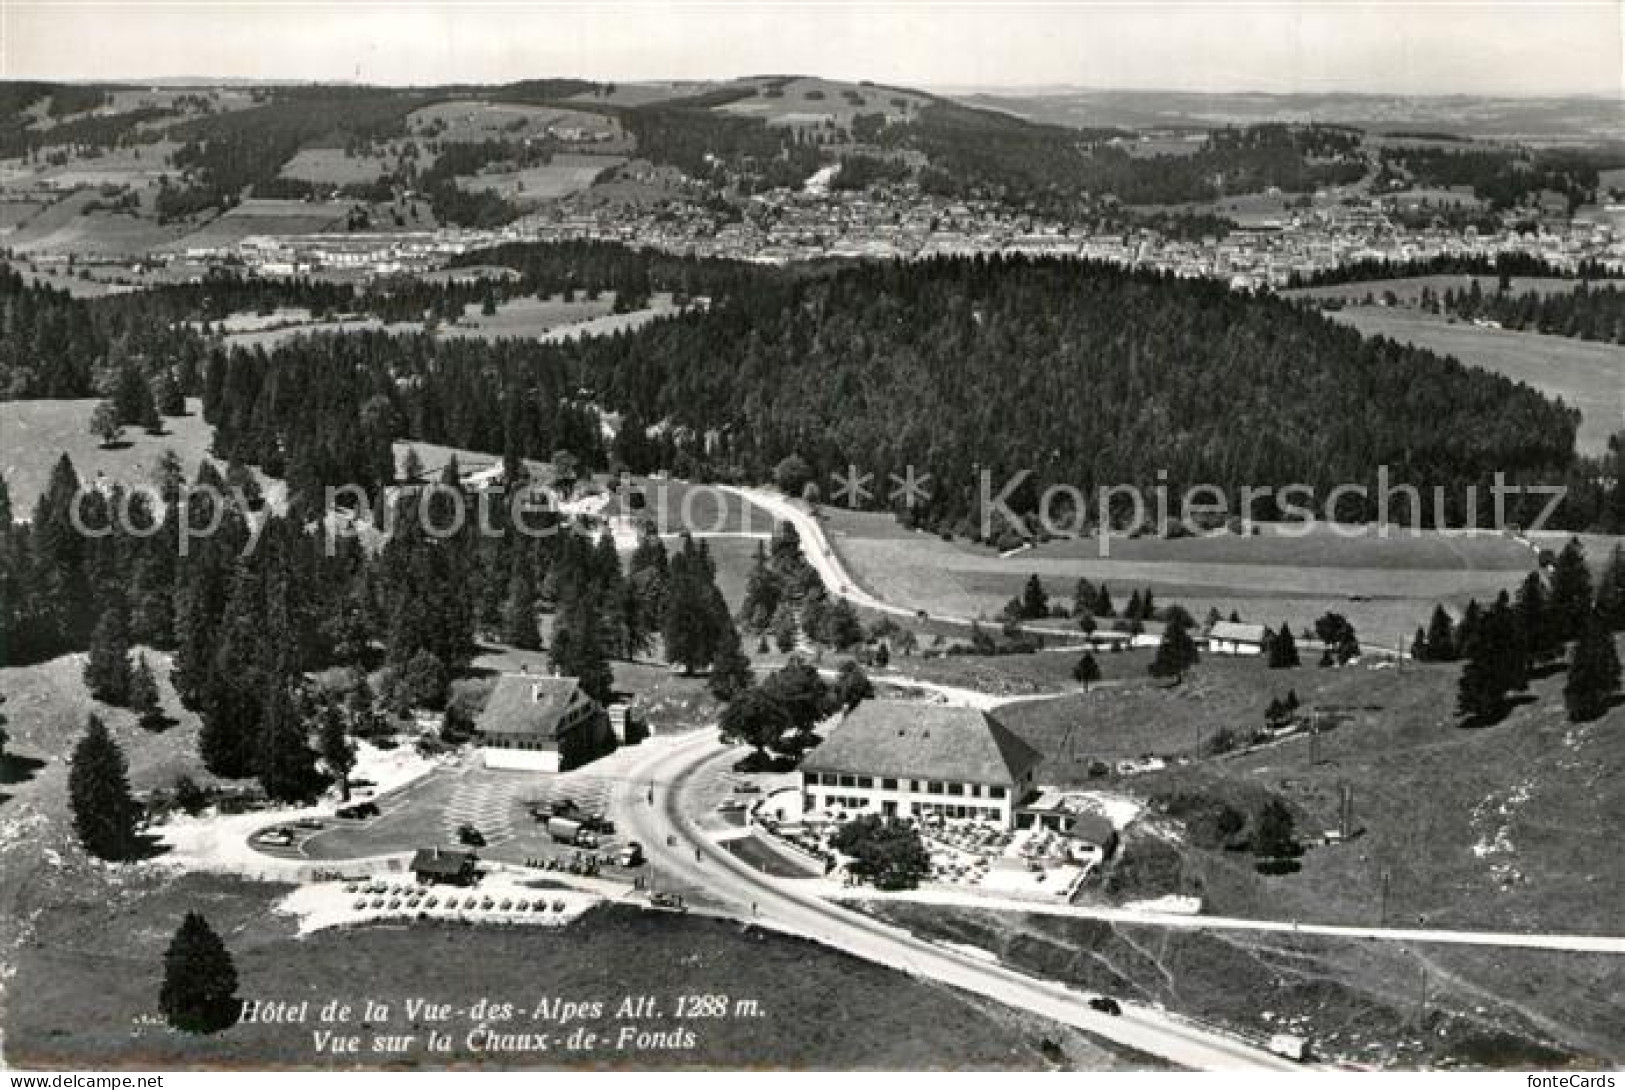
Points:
[(1230, 638), (543, 724), (443, 865), (920, 760)]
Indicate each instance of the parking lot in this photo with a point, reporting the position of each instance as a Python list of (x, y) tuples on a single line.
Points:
[(490, 811)]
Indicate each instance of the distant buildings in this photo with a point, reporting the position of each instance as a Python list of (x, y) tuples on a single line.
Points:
[(920, 760), (542, 724)]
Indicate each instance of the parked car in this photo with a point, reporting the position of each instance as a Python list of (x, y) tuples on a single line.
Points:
[(357, 811), (631, 855), (471, 836), (1105, 1004), (747, 788), (671, 902), (309, 823), (730, 806)]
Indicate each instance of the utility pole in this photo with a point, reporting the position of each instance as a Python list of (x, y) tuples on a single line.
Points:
[(1422, 996), (1382, 919)]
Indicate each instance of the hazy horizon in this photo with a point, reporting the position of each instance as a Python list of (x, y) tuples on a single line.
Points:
[(1479, 48)]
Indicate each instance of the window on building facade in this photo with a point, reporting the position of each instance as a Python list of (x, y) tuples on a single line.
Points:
[(888, 784), (995, 792)]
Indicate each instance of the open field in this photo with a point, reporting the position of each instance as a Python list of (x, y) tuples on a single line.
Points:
[(473, 121), (1587, 375), (1385, 587), (258, 216), (527, 317), (807, 102), (817, 1008), (334, 167), (66, 226), (563, 176), (1504, 827), (34, 434)]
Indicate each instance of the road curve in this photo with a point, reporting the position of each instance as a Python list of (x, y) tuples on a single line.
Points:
[(779, 905), (837, 580)]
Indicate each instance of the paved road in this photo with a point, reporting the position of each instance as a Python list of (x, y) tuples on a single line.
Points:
[(733, 885), (826, 561)]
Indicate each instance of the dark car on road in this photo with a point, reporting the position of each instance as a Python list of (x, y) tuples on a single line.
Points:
[(471, 836), (1105, 1004)]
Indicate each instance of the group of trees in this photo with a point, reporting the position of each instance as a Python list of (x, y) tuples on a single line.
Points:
[(1058, 170), (1588, 311), (1503, 645), (777, 715), (696, 627), (784, 597), (887, 851)]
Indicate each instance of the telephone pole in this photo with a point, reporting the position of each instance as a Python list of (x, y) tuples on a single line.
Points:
[(1382, 919)]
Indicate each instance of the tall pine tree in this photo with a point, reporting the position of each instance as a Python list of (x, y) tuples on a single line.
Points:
[(199, 991), (1594, 674), (104, 812)]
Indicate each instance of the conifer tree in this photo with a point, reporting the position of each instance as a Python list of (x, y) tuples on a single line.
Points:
[(107, 664), (1103, 603), (1034, 602), (104, 812), (1611, 590), (1086, 671), (198, 994), (1467, 629), (1175, 654), (730, 668), (337, 750), (1482, 689), (1283, 652), (1571, 594), (519, 615), (578, 650), (1536, 630), (1441, 637), (784, 628), (1594, 672), (285, 764), (144, 700)]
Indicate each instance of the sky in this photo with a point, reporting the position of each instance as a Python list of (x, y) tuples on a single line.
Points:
[(1420, 47)]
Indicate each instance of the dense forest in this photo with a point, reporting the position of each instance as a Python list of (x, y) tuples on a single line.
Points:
[(252, 609), (1503, 177), (1084, 374), (985, 153), (52, 345)]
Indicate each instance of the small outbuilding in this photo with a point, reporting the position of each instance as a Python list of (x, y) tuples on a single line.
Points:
[(1231, 638), (442, 865)]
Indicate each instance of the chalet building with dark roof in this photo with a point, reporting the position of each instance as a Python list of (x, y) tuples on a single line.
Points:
[(920, 760), (544, 724)]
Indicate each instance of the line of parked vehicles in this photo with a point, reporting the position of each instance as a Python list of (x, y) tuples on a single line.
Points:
[(404, 896)]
